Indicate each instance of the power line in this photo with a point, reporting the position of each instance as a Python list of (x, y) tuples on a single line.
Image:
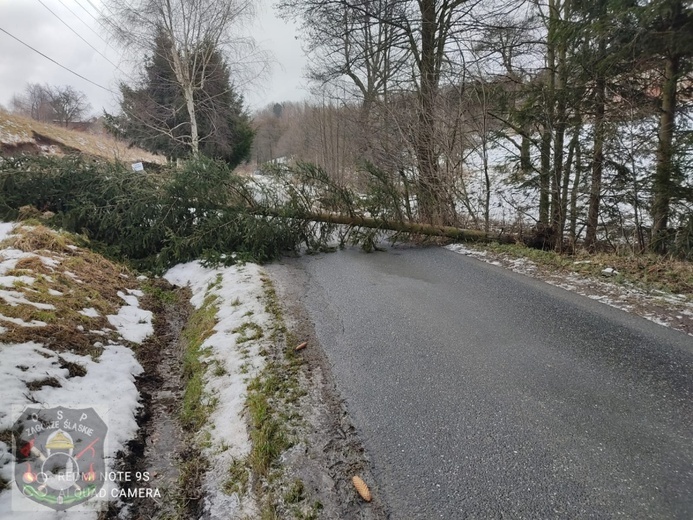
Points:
[(58, 64), (102, 24), (83, 22), (97, 9), (79, 36), (87, 10), (99, 21)]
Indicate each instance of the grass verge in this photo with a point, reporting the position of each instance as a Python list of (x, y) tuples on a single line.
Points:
[(648, 271), (274, 420), (196, 406)]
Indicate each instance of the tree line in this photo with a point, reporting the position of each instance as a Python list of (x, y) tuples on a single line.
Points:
[(589, 104)]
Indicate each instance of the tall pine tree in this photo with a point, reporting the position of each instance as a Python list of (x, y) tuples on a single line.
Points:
[(154, 116)]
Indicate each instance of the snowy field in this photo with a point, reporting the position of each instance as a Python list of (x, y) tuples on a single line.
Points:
[(82, 354)]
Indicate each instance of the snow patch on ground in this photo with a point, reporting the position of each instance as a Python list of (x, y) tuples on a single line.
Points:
[(113, 374), (239, 294), (90, 312), (6, 229), (107, 385), (15, 298), (132, 323)]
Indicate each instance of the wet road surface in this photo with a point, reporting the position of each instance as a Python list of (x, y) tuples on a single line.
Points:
[(481, 393)]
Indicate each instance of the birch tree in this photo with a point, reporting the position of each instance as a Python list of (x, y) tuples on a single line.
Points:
[(195, 30)]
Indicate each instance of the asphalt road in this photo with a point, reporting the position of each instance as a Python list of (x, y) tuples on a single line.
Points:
[(481, 393)]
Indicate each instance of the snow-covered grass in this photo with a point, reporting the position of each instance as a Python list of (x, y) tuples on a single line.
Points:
[(231, 356), (57, 347), (69, 323)]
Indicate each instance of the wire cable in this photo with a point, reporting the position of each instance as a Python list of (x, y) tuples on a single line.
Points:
[(98, 20), (97, 9), (58, 64), (83, 22), (80, 36)]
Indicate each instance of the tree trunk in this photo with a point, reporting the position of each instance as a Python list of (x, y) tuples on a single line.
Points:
[(665, 151), (455, 233), (427, 161), (597, 160), (574, 192), (545, 176), (557, 213), (182, 72), (567, 170), (194, 133)]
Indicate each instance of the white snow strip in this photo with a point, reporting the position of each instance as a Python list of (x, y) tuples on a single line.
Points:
[(9, 281), (10, 257), (90, 312), (16, 298), (239, 294), (19, 321), (6, 229), (48, 261), (129, 299)]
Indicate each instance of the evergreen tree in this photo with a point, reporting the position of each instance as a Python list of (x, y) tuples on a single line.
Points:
[(154, 115), (667, 47)]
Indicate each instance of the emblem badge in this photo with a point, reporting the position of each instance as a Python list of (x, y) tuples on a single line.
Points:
[(59, 455)]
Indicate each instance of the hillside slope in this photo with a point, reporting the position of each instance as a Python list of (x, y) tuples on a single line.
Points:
[(23, 135)]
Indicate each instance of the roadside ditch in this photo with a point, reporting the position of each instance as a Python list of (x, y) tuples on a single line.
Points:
[(302, 450)]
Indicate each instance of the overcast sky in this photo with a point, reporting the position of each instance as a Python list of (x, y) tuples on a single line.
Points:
[(34, 24)]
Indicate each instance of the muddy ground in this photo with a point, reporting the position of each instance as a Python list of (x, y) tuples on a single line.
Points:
[(331, 452), (325, 457), (161, 442)]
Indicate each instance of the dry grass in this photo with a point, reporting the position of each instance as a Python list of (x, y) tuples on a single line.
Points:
[(23, 134), (32, 239), (30, 265), (102, 278), (648, 271), (84, 279), (58, 337), (663, 273), (39, 384)]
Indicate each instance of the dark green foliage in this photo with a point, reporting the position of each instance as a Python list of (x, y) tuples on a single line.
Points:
[(202, 210), (155, 117), (152, 220)]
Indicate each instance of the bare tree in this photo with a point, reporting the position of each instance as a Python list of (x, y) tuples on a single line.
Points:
[(424, 39), (195, 30), (34, 102), (356, 49), (68, 104)]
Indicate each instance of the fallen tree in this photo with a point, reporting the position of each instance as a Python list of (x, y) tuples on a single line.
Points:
[(413, 228), (204, 211)]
